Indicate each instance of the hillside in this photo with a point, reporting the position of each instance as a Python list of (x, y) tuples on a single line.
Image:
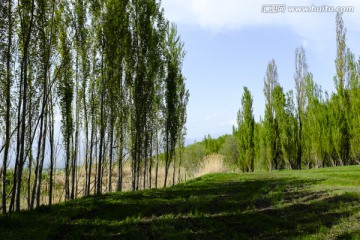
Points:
[(311, 204)]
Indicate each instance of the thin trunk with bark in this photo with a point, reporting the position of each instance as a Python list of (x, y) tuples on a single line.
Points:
[(111, 159), (8, 107)]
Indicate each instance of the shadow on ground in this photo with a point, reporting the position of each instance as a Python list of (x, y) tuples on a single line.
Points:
[(203, 209)]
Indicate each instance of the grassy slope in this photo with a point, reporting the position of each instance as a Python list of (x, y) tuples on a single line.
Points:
[(311, 204)]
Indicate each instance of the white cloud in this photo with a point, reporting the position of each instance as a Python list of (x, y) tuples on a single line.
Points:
[(231, 123), (220, 15)]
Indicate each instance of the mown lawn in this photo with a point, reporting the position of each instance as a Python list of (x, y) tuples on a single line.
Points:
[(309, 204)]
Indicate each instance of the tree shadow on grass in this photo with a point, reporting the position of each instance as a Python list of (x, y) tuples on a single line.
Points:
[(233, 210), (286, 222), (215, 198), (267, 209)]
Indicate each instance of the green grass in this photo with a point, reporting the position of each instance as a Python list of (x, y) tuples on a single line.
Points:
[(309, 204)]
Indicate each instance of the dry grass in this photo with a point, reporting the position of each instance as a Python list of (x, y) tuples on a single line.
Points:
[(210, 164)]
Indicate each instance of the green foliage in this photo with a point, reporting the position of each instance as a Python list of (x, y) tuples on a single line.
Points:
[(112, 68), (271, 128), (176, 96), (214, 145), (245, 133), (309, 129), (260, 147), (194, 155), (230, 151), (287, 126), (341, 134)]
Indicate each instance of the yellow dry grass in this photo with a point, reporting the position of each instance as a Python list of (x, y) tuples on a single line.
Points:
[(210, 164)]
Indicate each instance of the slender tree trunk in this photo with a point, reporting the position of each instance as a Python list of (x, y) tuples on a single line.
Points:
[(97, 166), (77, 120), (299, 153), (24, 110), (29, 179), (151, 160), (37, 164), (90, 159), (145, 162), (104, 162), (174, 172), (157, 161), (67, 167), (87, 159), (102, 133), (13, 193), (102, 121), (111, 158), (180, 160), (135, 157), (38, 190), (52, 150), (42, 142), (138, 169), (120, 163), (167, 160), (31, 136), (8, 108)]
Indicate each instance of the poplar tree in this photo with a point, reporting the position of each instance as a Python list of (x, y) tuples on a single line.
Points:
[(6, 81), (352, 76), (174, 55), (271, 134), (287, 126), (66, 92), (26, 11), (341, 135), (116, 78), (301, 73), (245, 133)]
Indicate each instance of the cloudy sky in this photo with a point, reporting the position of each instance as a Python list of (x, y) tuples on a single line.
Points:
[(230, 42)]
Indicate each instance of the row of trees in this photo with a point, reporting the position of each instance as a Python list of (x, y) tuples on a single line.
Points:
[(307, 129), (112, 69)]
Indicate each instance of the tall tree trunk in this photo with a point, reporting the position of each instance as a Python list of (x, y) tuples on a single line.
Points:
[(18, 144), (102, 120), (299, 153), (87, 159), (90, 159), (24, 65), (29, 168), (151, 160), (43, 148), (120, 162), (157, 160), (8, 108), (37, 164), (180, 158), (145, 157), (173, 182), (52, 150), (77, 120), (111, 158), (167, 160)]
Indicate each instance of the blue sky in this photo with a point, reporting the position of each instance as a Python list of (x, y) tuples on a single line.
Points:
[(230, 42)]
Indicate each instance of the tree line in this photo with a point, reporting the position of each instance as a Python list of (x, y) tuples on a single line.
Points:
[(112, 69), (303, 128)]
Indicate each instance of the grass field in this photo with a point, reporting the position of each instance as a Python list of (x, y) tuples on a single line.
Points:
[(308, 204)]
